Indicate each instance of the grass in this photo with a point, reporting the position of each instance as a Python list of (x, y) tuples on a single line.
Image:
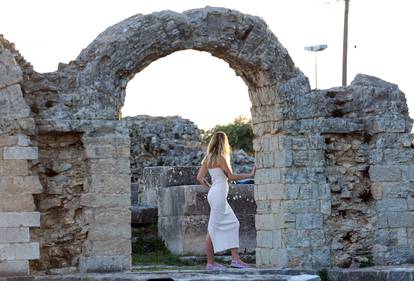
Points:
[(368, 263), (149, 249), (323, 274)]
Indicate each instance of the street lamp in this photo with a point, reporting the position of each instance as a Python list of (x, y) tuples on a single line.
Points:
[(316, 48)]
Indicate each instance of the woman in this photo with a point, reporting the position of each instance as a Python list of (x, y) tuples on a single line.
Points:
[(223, 225)]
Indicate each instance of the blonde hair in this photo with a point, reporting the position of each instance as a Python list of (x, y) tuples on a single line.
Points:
[(218, 147)]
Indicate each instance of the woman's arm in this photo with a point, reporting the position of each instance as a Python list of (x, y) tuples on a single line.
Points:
[(234, 177), (201, 174)]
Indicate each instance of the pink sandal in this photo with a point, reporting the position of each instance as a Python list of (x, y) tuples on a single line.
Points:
[(239, 264)]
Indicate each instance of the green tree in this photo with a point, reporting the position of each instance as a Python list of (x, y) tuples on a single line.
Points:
[(239, 132)]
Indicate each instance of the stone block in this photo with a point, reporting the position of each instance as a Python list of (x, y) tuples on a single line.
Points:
[(19, 219), (101, 151), (109, 215), (109, 183), (12, 103), (120, 166), (279, 258), (109, 231), (10, 71), (307, 158), (20, 153), (385, 173), (143, 215), (301, 206), (264, 239), (392, 204), (14, 234), (107, 247), (101, 264), (309, 221), (104, 200), (14, 168), (282, 158), (303, 175), (6, 140), (391, 125), (21, 185), (308, 143), (183, 213), (265, 176), (14, 268), (169, 176), (395, 219), (17, 203), (19, 251)]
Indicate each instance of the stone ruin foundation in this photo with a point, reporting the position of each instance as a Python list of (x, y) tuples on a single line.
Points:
[(335, 178)]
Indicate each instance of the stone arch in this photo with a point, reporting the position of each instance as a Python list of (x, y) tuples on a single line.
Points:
[(244, 41), (300, 139)]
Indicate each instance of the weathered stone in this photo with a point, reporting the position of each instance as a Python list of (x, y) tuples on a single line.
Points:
[(103, 200), (20, 185), (13, 234), (19, 153), (14, 268), (19, 251), (6, 140), (183, 216), (17, 203), (10, 71), (12, 104), (19, 219), (385, 173), (14, 168), (107, 247), (109, 231), (318, 152), (101, 264)]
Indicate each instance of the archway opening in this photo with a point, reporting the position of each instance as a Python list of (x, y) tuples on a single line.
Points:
[(171, 112)]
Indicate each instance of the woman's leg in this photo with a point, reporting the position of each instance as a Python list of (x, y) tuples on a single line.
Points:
[(235, 254), (209, 249)]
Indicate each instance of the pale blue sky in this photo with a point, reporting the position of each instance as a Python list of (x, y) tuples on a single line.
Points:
[(201, 87)]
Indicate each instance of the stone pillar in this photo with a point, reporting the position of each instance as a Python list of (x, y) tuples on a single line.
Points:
[(107, 198), (17, 183), (292, 197), (392, 176)]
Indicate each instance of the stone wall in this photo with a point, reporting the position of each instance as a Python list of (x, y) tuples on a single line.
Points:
[(327, 206), (18, 183), (160, 141), (62, 171), (168, 141), (321, 155)]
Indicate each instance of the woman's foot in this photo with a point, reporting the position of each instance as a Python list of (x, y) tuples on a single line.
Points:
[(239, 264), (215, 266)]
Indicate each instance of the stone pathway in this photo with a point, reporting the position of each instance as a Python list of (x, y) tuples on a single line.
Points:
[(377, 273), (189, 275)]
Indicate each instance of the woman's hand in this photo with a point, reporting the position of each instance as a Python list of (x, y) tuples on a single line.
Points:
[(253, 173)]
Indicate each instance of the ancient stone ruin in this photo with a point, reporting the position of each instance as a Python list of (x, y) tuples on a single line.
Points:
[(335, 178)]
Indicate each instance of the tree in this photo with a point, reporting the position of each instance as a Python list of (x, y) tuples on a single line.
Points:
[(239, 132)]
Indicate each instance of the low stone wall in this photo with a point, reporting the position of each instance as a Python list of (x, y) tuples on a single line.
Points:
[(183, 214), (183, 209)]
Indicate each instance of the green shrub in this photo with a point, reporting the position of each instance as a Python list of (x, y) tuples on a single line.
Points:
[(239, 132)]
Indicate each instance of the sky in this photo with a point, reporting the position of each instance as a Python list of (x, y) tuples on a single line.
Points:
[(202, 88)]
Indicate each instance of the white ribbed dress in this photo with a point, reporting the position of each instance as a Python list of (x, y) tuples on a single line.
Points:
[(223, 225)]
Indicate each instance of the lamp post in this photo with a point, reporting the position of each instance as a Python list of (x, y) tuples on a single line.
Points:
[(345, 44), (315, 49)]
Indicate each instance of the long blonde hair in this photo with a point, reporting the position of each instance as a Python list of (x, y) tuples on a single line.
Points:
[(217, 147)]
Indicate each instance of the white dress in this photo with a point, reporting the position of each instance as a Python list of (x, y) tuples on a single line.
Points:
[(223, 225)]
